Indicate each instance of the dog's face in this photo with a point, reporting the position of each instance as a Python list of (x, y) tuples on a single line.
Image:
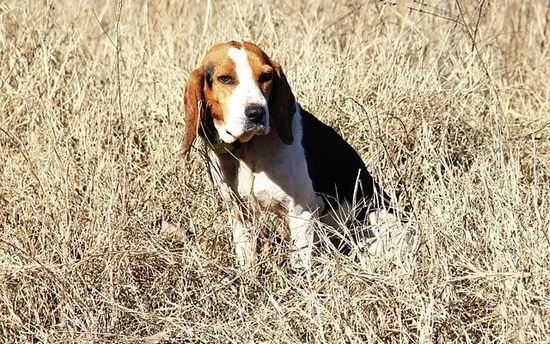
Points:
[(245, 94)]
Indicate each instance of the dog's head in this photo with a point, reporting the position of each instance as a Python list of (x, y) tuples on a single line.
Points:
[(236, 93)]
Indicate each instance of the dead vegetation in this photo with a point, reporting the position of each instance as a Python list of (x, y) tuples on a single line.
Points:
[(447, 102)]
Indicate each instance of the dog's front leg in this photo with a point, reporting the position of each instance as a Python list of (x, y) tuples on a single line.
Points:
[(244, 240), (300, 222)]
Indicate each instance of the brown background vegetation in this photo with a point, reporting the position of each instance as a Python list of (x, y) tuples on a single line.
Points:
[(446, 101)]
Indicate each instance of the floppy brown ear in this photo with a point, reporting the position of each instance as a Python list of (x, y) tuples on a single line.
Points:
[(194, 102), (282, 105)]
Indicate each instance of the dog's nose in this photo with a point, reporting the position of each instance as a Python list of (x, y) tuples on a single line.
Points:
[(255, 113)]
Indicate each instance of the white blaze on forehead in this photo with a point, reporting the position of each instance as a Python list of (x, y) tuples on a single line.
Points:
[(247, 91), (244, 72)]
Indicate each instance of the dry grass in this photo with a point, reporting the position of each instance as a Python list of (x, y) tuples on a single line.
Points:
[(90, 165)]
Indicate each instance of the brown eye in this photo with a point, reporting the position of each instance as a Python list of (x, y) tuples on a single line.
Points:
[(264, 77), (225, 79)]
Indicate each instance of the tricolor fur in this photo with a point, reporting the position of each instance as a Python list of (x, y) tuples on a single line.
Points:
[(270, 154)]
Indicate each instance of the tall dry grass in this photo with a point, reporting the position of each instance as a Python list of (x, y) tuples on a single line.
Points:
[(447, 102)]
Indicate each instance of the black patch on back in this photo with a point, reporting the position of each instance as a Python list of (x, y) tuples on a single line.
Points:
[(337, 171), (208, 73)]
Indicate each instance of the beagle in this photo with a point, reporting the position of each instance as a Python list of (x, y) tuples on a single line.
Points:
[(268, 153)]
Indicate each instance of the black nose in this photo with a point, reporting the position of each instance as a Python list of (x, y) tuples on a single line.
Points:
[(255, 113)]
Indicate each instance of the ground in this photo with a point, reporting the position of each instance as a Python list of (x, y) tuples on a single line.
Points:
[(108, 234)]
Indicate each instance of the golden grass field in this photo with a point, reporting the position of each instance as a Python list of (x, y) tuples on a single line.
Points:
[(109, 235)]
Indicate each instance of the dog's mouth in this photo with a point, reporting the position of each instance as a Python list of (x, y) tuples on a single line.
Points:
[(249, 132)]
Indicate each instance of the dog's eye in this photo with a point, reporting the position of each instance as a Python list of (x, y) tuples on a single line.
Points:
[(264, 77), (225, 79)]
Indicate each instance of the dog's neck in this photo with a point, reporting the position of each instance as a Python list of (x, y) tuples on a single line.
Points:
[(251, 153), (221, 147)]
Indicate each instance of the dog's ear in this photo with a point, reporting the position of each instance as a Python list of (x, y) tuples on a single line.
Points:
[(193, 100), (281, 105)]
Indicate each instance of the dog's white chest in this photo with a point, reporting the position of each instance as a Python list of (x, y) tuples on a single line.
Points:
[(260, 188), (266, 188), (268, 173)]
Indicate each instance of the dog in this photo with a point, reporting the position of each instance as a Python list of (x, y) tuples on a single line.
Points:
[(267, 153)]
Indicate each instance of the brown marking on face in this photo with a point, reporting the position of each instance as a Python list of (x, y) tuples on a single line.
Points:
[(272, 81), (262, 70), (218, 64), (219, 79)]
